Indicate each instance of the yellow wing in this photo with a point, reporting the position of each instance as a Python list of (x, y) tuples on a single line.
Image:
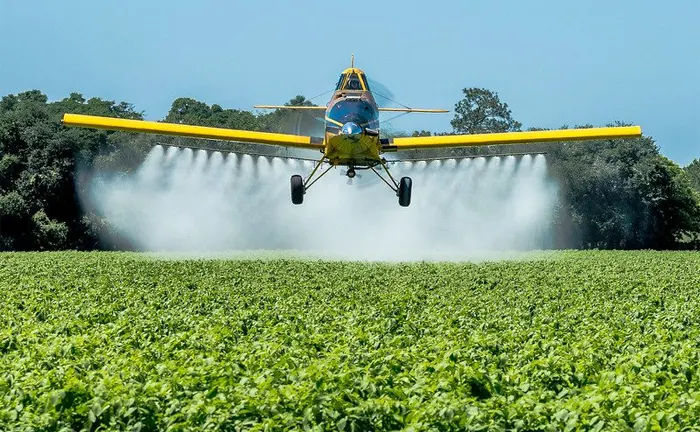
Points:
[(393, 144), (285, 140)]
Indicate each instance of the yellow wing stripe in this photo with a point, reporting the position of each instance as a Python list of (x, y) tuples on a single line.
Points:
[(514, 137), (97, 122), (335, 122)]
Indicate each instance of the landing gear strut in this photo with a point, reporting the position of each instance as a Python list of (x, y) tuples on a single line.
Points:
[(402, 189), (299, 186)]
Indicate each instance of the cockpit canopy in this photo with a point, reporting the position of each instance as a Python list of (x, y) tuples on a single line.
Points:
[(352, 79), (354, 110)]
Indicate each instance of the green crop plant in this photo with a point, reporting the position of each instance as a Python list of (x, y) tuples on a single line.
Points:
[(564, 341)]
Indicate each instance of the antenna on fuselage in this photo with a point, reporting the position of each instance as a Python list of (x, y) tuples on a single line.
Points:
[(352, 61)]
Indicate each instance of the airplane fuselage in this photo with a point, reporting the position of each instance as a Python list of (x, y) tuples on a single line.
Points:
[(352, 122)]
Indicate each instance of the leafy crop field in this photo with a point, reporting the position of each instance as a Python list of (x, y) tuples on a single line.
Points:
[(575, 340)]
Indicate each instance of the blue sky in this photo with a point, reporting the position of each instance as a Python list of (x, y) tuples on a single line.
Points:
[(555, 63)]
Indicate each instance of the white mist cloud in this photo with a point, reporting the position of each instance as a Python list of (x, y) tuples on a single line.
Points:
[(197, 202)]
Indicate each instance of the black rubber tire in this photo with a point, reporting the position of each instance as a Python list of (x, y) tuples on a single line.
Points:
[(297, 189), (405, 191)]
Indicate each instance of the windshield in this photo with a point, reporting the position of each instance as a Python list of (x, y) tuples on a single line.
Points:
[(340, 81), (353, 82), (354, 110), (364, 79)]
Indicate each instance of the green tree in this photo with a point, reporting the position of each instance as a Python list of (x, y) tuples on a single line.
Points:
[(299, 100), (693, 173), (421, 133), (674, 202), (193, 112), (481, 111), (622, 194), (40, 209), (189, 111)]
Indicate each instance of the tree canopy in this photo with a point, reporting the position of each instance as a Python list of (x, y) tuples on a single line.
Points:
[(693, 173), (38, 204), (481, 111)]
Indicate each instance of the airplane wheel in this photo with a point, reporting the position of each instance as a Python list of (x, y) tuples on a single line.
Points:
[(297, 189), (405, 191)]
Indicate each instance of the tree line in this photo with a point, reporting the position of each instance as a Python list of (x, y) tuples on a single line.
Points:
[(620, 194)]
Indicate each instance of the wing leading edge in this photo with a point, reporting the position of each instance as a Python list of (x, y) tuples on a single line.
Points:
[(445, 141), (285, 140)]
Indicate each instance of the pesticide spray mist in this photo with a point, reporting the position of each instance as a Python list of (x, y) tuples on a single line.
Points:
[(191, 201)]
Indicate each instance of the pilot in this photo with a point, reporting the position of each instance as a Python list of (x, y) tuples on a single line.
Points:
[(353, 84)]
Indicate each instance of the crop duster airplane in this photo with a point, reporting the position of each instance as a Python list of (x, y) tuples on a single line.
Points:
[(351, 135)]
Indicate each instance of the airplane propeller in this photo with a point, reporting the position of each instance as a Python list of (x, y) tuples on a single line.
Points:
[(382, 94)]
